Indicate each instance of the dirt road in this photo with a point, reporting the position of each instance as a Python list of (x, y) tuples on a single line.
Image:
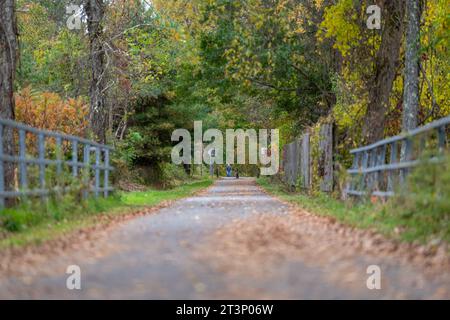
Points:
[(231, 242)]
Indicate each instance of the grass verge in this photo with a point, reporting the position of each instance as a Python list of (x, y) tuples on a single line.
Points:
[(410, 221), (33, 223)]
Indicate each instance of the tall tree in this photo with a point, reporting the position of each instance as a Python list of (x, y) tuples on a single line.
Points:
[(386, 65), (411, 82), (95, 11), (8, 60)]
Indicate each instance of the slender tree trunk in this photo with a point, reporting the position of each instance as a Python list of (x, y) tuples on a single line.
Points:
[(386, 64), (95, 10), (411, 82), (8, 61)]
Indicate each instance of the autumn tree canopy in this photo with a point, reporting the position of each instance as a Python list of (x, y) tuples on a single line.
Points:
[(143, 68)]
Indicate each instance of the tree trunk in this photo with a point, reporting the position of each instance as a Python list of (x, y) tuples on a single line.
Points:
[(8, 60), (411, 82), (95, 11), (386, 64)]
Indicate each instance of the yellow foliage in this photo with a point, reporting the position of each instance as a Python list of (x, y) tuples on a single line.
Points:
[(339, 23), (435, 40)]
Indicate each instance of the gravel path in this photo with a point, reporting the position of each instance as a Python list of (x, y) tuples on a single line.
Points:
[(231, 242)]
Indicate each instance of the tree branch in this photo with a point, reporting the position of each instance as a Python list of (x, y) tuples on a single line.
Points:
[(268, 85)]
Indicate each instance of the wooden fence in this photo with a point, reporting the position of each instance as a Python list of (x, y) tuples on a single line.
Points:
[(380, 167), (298, 162), (93, 171), (377, 168)]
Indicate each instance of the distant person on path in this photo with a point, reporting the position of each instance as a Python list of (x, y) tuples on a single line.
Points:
[(228, 170)]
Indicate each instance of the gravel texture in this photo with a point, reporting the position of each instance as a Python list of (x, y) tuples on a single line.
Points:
[(232, 241)]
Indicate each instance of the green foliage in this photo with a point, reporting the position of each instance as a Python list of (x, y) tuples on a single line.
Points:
[(423, 205), (127, 149), (173, 175), (35, 222), (150, 132), (233, 64), (153, 197), (53, 58), (419, 212), (344, 21), (362, 215), (340, 22), (163, 71), (33, 213), (266, 53)]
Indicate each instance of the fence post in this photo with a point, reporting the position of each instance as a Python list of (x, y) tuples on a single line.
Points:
[(33, 183), (404, 157), (365, 159), (352, 183), (369, 175), (22, 160), (106, 176), (2, 170), (393, 160), (441, 137), (305, 161), (291, 164), (326, 157), (355, 161), (41, 155), (381, 160), (86, 169), (296, 161), (286, 164), (404, 154), (97, 171), (74, 158), (58, 156)]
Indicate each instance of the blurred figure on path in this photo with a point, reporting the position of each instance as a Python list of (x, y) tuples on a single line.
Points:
[(228, 170)]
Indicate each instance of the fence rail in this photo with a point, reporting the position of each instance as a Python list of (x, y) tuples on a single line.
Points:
[(379, 167), (296, 163), (69, 153), (298, 160)]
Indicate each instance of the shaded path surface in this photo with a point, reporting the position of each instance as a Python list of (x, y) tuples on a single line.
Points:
[(232, 241)]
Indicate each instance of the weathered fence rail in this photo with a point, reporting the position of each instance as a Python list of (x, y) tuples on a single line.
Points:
[(84, 159), (296, 163), (377, 168), (381, 166), (298, 160)]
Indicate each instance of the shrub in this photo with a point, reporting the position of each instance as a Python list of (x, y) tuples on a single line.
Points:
[(48, 110), (423, 204), (172, 175)]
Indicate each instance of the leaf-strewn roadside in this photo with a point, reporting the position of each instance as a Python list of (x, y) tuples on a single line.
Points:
[(35, 225), (392, 219)]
